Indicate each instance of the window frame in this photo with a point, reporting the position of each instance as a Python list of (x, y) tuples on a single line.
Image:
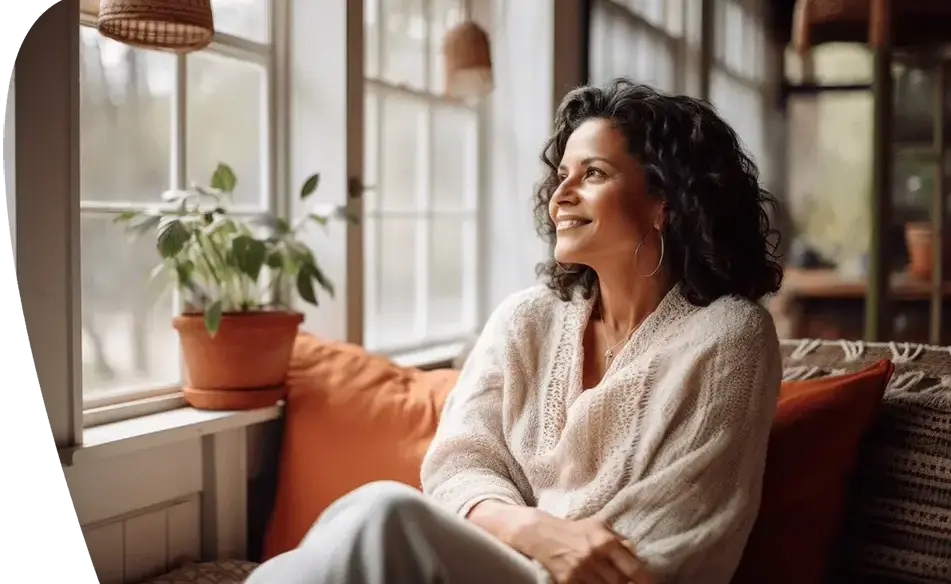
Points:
[(430, 99), (121, 405)]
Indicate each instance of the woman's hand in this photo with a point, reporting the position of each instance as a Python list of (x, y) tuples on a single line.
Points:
[(581, 551)]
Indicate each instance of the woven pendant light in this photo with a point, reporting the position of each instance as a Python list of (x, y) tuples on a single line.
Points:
[(910, 23), (178, 26), (468, 61)]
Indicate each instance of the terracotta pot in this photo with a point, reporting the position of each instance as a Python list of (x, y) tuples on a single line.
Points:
[(244, 365), (918, 238)]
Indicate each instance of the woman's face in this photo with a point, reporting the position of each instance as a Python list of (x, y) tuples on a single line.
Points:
[(601, 208)]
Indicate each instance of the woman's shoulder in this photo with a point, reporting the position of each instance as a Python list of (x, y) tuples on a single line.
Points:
[(528, 304), (733, 319)]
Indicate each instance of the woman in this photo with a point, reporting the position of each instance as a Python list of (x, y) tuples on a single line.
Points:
[(611, 425)]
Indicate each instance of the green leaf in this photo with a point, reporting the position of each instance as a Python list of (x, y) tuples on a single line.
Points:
[(321, 278), (206, 192), (213, 317), (310, 185), (319, 219), (249, 255), (305, 286), (174, 195), (224, 178), (143, 222), (275, 259), (276, 224), (351, 217), (172, 238), (184, 271), (125, 216), (299, 253)]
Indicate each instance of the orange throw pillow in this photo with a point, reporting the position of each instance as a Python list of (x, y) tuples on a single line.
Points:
[(351, 418), (813, 449)]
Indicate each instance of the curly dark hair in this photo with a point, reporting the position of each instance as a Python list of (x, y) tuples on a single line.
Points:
[(717, 235)]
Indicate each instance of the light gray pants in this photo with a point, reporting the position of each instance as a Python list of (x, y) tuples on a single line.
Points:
[(387, 532)]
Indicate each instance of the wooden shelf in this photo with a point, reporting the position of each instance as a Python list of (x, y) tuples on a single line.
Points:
[(800, 283)]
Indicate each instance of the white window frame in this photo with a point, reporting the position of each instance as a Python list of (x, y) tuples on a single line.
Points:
[(48, 268), (135, 402), (421, 342)]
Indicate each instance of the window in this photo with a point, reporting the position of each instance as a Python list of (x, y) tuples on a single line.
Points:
[(738, 79), (830, 152), (151, 121), (649, 41), (9, 163), (421, 167)]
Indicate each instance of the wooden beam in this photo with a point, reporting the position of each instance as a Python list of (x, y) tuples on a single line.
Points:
[(937, 202), (877, 309)]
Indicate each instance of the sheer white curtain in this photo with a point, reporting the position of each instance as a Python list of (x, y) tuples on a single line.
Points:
[(638, 39), (738, 85)]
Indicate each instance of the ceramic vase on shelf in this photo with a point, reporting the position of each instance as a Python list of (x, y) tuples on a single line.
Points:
[(920, 242)]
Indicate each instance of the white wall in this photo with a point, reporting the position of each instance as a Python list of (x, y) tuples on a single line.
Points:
[(149, 510)]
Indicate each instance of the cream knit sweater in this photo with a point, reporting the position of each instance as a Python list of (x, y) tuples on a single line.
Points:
[(669, 448)]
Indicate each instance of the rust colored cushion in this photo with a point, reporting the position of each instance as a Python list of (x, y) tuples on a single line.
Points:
[(813, 449), (351, 418)]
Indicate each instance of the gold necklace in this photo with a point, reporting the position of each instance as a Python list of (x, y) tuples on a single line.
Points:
[(610, 354)]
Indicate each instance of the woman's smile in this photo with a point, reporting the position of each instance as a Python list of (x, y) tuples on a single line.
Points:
[(566, 222)]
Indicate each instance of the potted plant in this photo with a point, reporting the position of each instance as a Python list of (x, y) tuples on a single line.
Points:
[(234, 276)]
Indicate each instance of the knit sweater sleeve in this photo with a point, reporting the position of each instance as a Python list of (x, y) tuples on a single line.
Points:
[(468, 460), (690, 510)]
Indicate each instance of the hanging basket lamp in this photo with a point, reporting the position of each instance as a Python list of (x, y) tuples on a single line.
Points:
[(911, 23), (177, 26), (468, 60)]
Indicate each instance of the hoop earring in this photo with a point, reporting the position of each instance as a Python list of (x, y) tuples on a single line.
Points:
[(660, 260), (564, 271)]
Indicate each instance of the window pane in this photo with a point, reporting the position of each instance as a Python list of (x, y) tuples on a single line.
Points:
[(454, 157), (445, 14), (125, 123), (447, 279), (371, 39), (244, 18), (9, 164), (225, 122), (830, 149), (742, 107), (391, 322), (401, 179), (599, 45), (128, 342), (371, 148), (404, 42)]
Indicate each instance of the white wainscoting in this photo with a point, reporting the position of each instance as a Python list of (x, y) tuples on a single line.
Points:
[(146, 512), (146, 545)]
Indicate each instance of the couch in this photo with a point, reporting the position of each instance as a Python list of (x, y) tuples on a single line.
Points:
[(858, 485)]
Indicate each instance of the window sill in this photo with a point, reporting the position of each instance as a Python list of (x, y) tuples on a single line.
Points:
[(436, 357), (149, 431)]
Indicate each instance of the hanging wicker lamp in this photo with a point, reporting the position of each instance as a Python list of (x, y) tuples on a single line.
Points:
[(178, 26), (911, 23), (468, 61)]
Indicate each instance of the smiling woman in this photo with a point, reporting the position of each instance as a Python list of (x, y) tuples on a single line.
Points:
[(612, 425), (651, 170)]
